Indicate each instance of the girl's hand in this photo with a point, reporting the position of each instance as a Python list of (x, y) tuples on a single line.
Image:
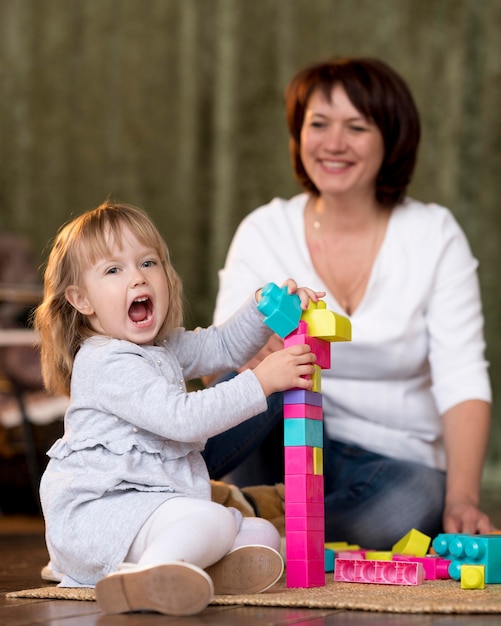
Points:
[(286, 368), (305, 293)]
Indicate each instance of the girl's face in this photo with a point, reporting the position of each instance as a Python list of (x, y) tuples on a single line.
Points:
[(342, 151), (125, 294)]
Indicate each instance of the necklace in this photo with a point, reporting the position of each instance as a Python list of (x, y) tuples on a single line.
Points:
[(347, 293)]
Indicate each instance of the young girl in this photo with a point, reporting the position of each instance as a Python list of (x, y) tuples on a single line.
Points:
[(126, 494)]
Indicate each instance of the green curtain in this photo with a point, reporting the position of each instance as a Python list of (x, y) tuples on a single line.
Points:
[(177, 106)]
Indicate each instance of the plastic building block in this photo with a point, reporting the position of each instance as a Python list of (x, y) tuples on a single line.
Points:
[(329, 560), (434, 567), (302, 396), (351, 554), (381, 572), (414, 543), (309, 411), (299, 460), (304, 522), (304, 488), (471, 550), (303, 432), (325, 324), (472, 576), (281, 309), (303, 544), (303, 509), (305, 573), (318, 461), (378, 555), (320, 348)]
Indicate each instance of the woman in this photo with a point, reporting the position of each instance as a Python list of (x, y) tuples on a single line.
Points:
[(407, 402)]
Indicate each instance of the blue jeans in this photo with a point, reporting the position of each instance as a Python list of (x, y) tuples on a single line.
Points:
[(370, 500)]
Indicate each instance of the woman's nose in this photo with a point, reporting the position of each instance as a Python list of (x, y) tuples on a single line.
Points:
[(336, 139)]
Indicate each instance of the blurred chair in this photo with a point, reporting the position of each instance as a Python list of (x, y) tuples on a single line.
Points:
[(20, 374)]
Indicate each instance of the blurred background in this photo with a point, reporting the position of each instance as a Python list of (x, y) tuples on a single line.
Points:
[(177, 106)]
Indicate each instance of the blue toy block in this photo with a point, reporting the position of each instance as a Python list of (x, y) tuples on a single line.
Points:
[(463, 549), (303, 432), (281, 309)]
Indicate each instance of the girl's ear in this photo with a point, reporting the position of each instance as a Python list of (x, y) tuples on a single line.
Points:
[(78, 300)]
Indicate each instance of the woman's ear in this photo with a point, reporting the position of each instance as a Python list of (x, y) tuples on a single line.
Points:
[(78, 300)]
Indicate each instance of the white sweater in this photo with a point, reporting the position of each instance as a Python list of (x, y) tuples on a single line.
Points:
[(418, 346)]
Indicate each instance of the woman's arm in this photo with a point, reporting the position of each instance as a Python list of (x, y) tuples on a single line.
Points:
[(466, 433)]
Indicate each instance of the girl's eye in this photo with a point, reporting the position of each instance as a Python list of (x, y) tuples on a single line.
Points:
[(112, 270), (149, 263)]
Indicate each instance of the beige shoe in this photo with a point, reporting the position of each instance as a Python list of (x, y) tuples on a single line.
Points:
[(172, 588), (248, 569)]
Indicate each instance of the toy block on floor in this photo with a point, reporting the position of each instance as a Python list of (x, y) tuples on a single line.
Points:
[(472, 576), (380, 572), (281, 309), (471, 550), (305, 573), (325, 324), (414, 543), (434, 567)]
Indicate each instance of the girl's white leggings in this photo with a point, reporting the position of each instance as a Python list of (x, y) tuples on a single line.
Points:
[(199, 532)]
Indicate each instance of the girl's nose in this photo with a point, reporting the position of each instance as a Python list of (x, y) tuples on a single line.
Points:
[(138, 278)]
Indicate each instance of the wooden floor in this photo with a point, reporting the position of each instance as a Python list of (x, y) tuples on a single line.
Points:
[(23, 553)]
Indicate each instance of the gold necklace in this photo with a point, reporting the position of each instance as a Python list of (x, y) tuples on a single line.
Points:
[(344, 299)]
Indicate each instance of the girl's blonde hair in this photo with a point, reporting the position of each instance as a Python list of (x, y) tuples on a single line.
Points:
[(80, 243)]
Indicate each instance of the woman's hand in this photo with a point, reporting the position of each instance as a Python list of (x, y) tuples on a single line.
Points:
[(286, 369), (461, 517)]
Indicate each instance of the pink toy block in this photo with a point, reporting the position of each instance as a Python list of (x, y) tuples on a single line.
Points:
[(305, 573), (302, 396), (320, 348), (305, 523), (380, 572), (306, 411), (359, 555), (304, 544), (299, 460), (304, 488), (303, 509), (281, 309), (434, 567)]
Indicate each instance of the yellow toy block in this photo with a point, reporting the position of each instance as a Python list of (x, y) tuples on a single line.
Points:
[(472, 576), (317, 379), (340, 545), (318, 461), (378, 555), (414, 543), (326, 324)]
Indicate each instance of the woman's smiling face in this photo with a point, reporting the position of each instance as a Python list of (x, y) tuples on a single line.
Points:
[(341, 150)]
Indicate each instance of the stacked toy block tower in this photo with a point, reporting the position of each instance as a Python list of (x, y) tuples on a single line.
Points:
[(303, 433)]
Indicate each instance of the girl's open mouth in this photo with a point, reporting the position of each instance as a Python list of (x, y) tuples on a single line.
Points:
[(141, 310)]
